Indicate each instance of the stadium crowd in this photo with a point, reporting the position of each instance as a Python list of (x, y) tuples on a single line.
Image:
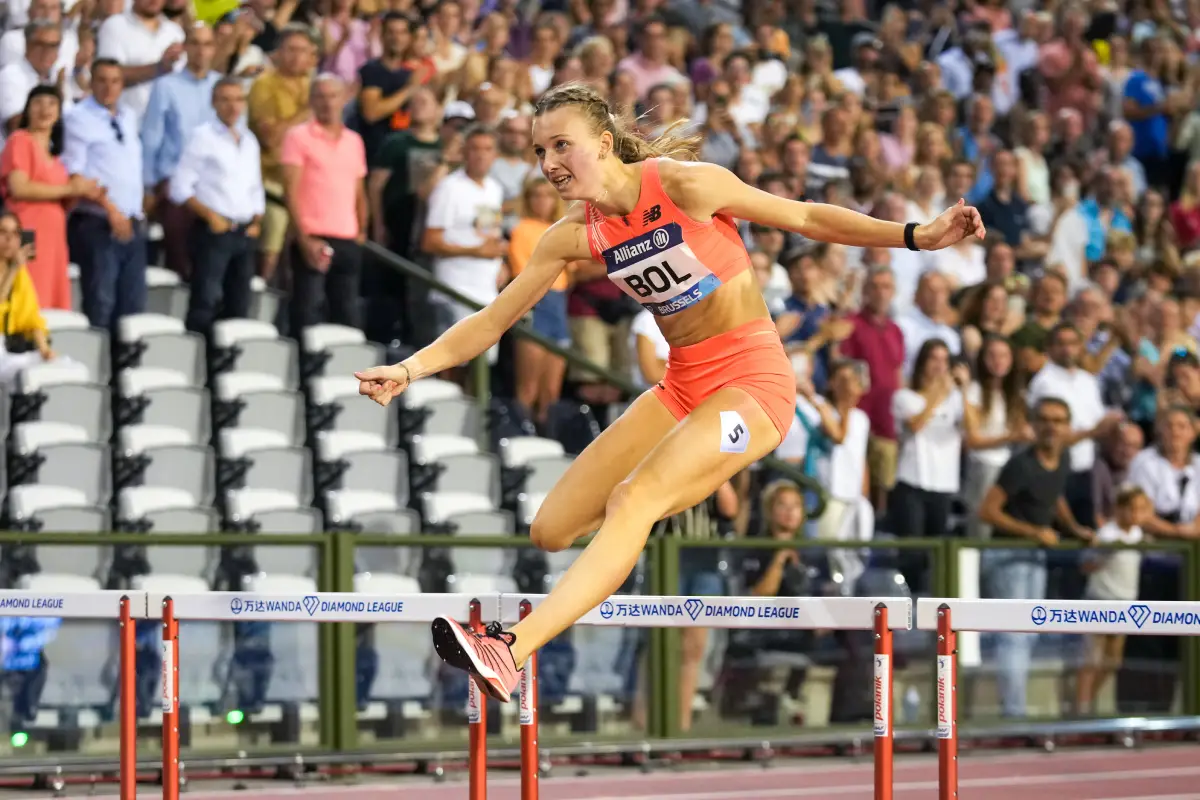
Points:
[(274, 138)]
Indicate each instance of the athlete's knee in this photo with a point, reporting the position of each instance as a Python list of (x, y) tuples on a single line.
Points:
[(553, 534), (638, 498)]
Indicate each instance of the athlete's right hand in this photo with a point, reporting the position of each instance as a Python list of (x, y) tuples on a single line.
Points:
[(381, 384)]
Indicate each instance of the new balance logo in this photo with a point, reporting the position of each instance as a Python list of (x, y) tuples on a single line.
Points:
[(652, 215)]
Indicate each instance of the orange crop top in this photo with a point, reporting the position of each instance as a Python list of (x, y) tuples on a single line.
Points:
[(660, 256)]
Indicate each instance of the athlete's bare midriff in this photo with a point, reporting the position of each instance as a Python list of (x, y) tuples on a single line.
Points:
[(734, 304)]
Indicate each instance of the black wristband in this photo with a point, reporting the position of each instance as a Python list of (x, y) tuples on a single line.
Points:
[(910, 240)]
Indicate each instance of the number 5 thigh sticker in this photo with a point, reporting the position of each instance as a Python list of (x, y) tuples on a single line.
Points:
[(735, 434)]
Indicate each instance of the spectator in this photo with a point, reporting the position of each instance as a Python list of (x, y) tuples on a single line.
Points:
[(25, 336), (1069, 66), (1185, 212), (512, 167), (1111, 471), (805, 323), (1026, 500), (878, 342), (539, 373), (1049, 299), (1113, 576), (771, 573), (849, 515), (1062, 378), (929, 421), (107, 235), (995, 421), (986, 313), (235, 53), (345, 41), (1169, 474), (388, 84), (462, 230), (219, 180), (1165, 337), (13, 42), (324, 164), (1007, 212), (402, 176), (38, 190), (179, 102), (146, 44), (1147, 107), (649, 66), (39, 67), (1103, 214), (277, 102), (929, 320)]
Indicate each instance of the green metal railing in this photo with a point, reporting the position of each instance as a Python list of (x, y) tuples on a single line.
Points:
[(336, 552)]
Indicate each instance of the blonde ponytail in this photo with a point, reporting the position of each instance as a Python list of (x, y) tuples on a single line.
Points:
[(628, 146)]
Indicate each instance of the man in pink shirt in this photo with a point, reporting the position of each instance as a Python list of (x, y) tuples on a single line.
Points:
[(324, 164), (1071, 69), (649, 65)]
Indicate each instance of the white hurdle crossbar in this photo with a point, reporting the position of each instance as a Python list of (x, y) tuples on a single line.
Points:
[(949, 615), (882, 615), (123, 608), (316, 607)]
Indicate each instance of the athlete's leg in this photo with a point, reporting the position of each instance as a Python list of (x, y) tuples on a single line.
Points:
[(575, 506), (682, 470)]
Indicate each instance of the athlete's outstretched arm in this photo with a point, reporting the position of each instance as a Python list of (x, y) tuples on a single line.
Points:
[(566, 241), (707, 189)]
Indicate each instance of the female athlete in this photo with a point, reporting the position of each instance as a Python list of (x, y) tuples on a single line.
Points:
[(667, 232)]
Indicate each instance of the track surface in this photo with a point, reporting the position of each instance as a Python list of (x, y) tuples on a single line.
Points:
[(1156, 773)]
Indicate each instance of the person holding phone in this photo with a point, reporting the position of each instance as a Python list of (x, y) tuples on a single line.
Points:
[(26, 340)]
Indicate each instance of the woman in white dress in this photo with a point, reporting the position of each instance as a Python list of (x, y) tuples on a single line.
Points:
[(842, 467)]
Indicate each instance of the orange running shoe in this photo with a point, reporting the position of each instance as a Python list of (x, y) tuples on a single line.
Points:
[(486, 656)]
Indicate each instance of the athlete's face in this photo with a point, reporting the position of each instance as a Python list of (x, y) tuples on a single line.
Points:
[(570, 153)]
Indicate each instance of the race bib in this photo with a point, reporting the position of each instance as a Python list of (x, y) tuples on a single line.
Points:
[(660, 271)]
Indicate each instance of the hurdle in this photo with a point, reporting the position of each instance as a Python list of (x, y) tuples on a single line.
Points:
[(881, 615), (320, 607), (948, 615), (124, 608)]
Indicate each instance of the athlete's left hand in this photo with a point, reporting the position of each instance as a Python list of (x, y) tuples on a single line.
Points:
[(953, 225)]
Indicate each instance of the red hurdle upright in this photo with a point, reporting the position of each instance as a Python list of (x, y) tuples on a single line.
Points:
[(476, 723), (170, 701), (529, 721), (947, 706), (127, 710), (883, 704)]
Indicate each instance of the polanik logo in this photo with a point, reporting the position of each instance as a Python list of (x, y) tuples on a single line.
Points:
[(606, 610), (694, 608), (1139, 614), (1038, 615), (235, 606), (311, 603)]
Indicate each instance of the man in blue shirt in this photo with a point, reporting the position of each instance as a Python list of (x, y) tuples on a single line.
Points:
[(1146, 107), (179, 102), (107, 239), (806, 323), (21, 660)]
